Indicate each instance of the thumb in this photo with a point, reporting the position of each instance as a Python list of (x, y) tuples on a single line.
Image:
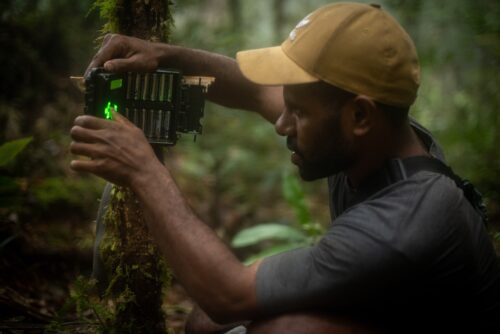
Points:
[(119, 118), (131, 64), (117, 65)]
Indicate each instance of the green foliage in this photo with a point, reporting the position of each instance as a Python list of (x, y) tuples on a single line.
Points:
[(52, 192), (43, 42), (295, 197), (273, 250), (9, 150), (10, 187), (83, 311), (458, 99), (255, 234), (278, 238)]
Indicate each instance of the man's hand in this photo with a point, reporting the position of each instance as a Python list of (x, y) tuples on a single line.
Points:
[(120, 53), (118, 150)]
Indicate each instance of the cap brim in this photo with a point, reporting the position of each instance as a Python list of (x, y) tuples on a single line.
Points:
[(271, 66)]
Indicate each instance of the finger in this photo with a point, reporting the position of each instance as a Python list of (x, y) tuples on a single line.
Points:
[(119, 118), (90, 136), (119, 65), (98, 167), (80, 134), (131, 64), (89, 166), (92, 122), (93, 151)]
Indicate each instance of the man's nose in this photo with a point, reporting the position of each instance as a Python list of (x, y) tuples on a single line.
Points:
[(284, 126)]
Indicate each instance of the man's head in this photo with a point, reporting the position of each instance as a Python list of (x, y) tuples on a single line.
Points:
[(345, 67), (311, 122), (329, 129)]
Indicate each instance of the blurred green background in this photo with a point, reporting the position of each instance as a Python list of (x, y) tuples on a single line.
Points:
[(233, 174)]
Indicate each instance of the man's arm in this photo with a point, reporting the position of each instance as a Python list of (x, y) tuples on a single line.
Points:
[(211, 274), (208, 270), (231, 89)]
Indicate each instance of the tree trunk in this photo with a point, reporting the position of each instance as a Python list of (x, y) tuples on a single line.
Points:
[(137, 276), (146, 19)]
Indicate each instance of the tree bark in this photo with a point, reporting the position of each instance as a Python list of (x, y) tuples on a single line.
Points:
[(137, 275), (146, 19)]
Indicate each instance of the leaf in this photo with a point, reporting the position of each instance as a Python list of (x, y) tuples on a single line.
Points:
[(270, 251), (255, 234), (9, 150)]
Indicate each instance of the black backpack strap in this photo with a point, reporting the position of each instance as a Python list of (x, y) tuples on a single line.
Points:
[(404, 168)]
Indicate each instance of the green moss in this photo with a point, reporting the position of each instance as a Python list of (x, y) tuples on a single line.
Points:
[(136, 272), (108, 11), (119, 18), (91, 314)]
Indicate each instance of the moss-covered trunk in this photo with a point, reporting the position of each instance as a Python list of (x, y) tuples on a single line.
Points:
[(136, 274)]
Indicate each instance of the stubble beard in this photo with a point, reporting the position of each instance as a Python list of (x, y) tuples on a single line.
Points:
[(340, 161), (338, 158)]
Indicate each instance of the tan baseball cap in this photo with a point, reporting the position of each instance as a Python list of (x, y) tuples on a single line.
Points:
[(357, 47)]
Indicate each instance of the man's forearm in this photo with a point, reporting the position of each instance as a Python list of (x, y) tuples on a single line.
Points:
[(120, 53), (231, 88), (208, 270)]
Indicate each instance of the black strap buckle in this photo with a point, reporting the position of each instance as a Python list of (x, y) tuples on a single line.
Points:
[(475, 198)]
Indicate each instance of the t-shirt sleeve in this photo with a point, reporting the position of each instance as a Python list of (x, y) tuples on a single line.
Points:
[(349, 266), (372, 252), (361, 256)]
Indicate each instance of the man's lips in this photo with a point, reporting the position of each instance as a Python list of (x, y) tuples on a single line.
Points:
[(296, 158), (291, 144)]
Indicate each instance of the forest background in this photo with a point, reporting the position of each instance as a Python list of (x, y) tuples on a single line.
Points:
[(233, 174)]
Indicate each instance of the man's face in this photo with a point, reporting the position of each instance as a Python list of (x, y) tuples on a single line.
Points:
[(312, 122)]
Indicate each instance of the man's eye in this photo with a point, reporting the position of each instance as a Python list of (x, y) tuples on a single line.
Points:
[(296, 111)]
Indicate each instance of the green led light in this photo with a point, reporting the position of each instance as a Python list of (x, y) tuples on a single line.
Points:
[(115, 84), (108, 110)]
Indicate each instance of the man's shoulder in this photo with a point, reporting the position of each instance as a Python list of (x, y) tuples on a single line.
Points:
[(421, 194), (421, 210), (422, 189)]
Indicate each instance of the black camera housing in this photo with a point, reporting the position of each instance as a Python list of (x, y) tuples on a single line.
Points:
[(162, 103)]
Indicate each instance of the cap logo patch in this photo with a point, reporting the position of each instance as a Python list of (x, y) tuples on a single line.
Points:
[(304, 22)]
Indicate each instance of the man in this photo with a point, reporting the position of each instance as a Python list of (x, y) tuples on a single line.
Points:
[(406, 250)]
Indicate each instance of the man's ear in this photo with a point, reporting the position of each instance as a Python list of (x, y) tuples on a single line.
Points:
[(363, 115)]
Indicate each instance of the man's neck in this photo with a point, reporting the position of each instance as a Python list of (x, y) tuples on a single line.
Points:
[(399, 144)]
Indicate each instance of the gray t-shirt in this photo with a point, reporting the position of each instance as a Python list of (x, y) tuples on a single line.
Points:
[(414, 252)]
